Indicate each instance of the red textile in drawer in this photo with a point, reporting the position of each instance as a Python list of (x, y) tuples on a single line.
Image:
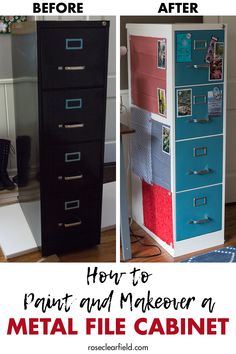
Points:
[(157, 211), (146, 77)]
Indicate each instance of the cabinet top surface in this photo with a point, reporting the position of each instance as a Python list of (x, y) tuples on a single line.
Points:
[(178, 26), (30, 26)]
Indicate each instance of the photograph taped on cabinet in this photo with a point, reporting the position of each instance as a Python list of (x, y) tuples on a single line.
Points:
[(60, 182)]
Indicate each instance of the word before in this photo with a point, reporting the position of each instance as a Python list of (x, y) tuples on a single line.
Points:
[(178, 7), (61, 7)]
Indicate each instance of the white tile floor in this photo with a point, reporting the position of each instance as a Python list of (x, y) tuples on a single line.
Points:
[(15, 234)]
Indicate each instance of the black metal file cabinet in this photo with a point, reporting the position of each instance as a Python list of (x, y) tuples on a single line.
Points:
[(66, 62)]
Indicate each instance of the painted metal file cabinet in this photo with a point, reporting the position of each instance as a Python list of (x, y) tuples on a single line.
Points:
[(177, 85), (60, 72)]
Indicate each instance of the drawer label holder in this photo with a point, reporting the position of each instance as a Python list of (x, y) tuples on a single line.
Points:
[(74, 43)]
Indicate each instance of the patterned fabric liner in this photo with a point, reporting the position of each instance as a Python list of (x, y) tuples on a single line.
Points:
[(141, 144), (160, 159)]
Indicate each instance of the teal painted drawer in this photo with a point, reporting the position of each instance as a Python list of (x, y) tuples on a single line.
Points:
[(198, 212), (199, 162), (192, 62), (199, 111)]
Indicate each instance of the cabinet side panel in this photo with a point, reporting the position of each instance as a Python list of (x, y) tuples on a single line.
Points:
[(24, 60)]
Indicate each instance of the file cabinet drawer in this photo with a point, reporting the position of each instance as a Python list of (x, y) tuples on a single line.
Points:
[(199, 111), (199, 162), (74, 167), (191, 48), (75, 212), (198, 212), (74, 58), (74, 115), (72, 222)]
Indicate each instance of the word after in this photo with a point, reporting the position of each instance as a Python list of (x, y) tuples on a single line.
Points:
[(178, 7)]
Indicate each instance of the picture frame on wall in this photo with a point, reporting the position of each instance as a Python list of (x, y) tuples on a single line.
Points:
[(7, 21)]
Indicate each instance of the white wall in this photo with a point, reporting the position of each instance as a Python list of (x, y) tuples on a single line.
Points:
[(231, 105), (5, 63), (7, 121), (7, 117)]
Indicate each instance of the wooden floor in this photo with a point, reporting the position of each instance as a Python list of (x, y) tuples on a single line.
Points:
[(141, 253), (105, 252)]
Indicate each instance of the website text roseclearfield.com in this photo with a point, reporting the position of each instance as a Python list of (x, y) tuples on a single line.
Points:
[(117, 347)]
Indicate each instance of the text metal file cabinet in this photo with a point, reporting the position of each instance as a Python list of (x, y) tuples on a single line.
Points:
[(177, 84), (60, 73)]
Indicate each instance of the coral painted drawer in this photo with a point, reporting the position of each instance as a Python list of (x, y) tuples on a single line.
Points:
[(199, 57), (198, 212), (199, 162), (199, 111)]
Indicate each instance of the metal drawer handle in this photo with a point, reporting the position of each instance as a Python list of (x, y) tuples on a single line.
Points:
[(70, 178), (75, 68), (73, 224), (200, 172), (71, 126), (199, 120), (206, 220), (198, 66)]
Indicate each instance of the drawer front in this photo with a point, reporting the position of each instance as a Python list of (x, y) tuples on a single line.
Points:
[(73, 57), (199, 162), (193, 63), (74, 167), (72, 222), (198, 212), (199, 111), (74, 115), (75, 212)]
